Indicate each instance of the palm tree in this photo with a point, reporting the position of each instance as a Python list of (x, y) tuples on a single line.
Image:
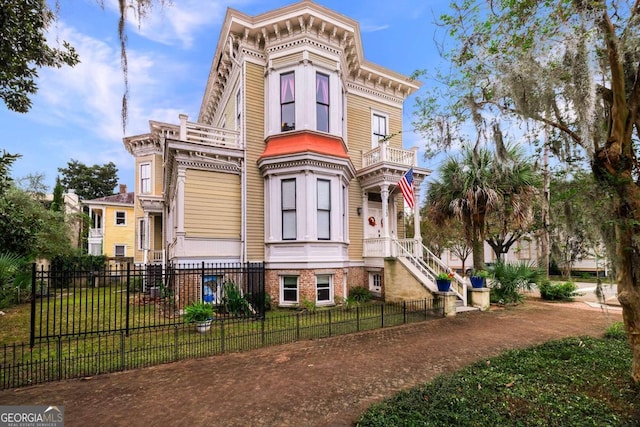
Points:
[(478, 183)]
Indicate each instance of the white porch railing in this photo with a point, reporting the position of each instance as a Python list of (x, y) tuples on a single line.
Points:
[(157, 257), (429, 264), (208, 135), (375, 247), (96, 232), (384, 153)]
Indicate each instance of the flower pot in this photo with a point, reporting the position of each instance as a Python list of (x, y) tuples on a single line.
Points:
[(444, 285), (203, 327), (477, 282)]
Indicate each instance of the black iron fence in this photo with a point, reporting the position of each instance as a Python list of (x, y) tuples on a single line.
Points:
[(114, 299), (80, 355)]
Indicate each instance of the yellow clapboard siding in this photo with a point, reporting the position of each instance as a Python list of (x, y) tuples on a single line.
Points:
[(212, 204), (118, 234), (359, 134), (254, 99)]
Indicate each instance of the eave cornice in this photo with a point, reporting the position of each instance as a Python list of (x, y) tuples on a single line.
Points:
[(243, 37)]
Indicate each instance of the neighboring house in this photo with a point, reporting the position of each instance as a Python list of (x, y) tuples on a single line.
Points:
[(112, 226), (528, 250), (72, 211), (294, 161)]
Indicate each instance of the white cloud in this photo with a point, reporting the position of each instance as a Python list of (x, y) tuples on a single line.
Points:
[(367, 27), (177, 22)]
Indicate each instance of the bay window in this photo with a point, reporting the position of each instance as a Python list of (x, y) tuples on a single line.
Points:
[(324, 209), (287, 101), (322, 102), (288, 208)]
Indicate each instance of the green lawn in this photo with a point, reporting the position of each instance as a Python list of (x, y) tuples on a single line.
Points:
[(571, 382)]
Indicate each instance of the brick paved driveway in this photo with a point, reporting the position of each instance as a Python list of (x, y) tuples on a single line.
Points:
[(326, 382)]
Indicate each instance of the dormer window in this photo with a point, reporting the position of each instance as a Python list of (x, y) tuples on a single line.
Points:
[(322, 102), (288, 101)]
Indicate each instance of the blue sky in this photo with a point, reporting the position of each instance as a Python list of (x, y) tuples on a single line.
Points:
[(76, 113)]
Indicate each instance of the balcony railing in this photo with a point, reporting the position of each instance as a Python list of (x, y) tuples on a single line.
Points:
[(200, 133), (383, 153), (96, 232), (157, 257)]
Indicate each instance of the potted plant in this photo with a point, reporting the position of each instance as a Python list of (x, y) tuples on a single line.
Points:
[(443, 281), (199, 313), (478, 278)]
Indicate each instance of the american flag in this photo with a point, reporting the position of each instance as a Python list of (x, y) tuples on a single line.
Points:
[(406, 186)]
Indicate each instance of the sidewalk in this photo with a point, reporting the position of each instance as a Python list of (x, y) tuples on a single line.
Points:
[(326, 382)]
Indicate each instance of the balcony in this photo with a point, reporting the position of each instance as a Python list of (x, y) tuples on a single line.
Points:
[(199, 133), (385, 165), (386, 154), (97, 233)]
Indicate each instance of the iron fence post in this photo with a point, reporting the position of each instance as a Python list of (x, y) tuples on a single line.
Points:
[(263, 337), (128, 296), (122, 358), (175, 338), (329, 312), (404, 312), (382, 316), (357, 318), (59, 351), (32, 328), (297, 326), (222, 336)]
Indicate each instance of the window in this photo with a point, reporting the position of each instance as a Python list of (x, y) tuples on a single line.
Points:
[(145, 178), (142, 235), (289, 290), (322, 102), (524, 249), (379, 128), (323, 288), (289, 226), (324, 209), (120, 251), (121, 218), (95, 249), (287, 101)]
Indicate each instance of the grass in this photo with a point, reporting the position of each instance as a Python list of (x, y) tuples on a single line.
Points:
[(85, 355), (570, 382)]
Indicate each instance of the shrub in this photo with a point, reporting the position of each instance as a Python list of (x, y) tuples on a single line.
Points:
[(616, 331), (360, 294), (557, 291), (511, 279), (309, 305), (15, 280), (234, 302)]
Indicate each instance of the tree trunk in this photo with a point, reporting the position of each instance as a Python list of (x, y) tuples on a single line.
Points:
[(628, 263), (615, 171)]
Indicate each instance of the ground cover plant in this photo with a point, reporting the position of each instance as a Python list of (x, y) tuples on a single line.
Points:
[(570, 382)]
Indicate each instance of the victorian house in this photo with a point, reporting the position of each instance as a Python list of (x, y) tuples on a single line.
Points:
[(294, 161)]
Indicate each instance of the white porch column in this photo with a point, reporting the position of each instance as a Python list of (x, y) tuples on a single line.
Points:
[(365, 214), (417, 234), (384, 192), (180, 201), (179, 248), (147, 239)]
